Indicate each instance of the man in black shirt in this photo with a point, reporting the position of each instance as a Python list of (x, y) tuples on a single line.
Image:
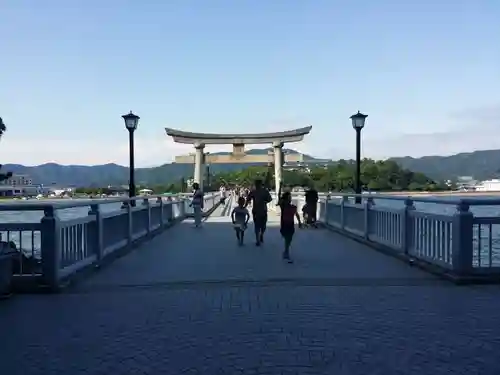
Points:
[(312, 199), (260, 197)]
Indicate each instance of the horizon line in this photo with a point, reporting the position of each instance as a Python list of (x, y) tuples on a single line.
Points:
[(317, 158)]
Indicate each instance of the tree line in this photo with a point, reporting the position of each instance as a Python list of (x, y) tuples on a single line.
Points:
[(376, 175)]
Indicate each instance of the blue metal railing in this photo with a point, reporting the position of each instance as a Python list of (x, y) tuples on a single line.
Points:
[(52, 241)]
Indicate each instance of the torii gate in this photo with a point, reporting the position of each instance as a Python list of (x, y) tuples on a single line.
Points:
[(199, 140)]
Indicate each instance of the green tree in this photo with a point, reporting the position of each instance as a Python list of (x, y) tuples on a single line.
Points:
[(375, 176)]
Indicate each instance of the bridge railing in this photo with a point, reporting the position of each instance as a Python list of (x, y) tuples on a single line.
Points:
[(461, 237), (53, 241)]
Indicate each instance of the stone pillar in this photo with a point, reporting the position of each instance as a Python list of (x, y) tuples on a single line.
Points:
[(278, 163), (198, 164)]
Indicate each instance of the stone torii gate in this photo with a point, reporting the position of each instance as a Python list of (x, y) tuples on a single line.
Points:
[(199, 140)]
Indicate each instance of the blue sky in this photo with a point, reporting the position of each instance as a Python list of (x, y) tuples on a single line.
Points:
[(426, 72)]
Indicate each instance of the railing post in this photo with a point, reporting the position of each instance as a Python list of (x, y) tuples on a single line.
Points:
[(97, 234), (205, 204), (162, 219), (342, 211), (182, 209), (327, 202), (50, 248), (407, 226), (462, 240), (170, 211), (145, 202), (130, 223), (368, 204)]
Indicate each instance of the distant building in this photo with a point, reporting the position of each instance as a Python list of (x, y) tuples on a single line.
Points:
[(116, 190), (18, 180), (57, 192), (489, 185), (466, 183), (19, 185), (306, 166)]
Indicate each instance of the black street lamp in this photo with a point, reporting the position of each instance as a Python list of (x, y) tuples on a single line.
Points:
[(131, 122), (358, 123)]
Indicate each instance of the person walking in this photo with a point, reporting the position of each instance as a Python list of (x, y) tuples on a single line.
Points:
[(287, 221), (259, 197), (223, 195), (311, 198), (240, 217), (197, 204)]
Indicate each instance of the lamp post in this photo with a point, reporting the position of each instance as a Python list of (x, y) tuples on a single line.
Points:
[(131, 122), (358, 123)]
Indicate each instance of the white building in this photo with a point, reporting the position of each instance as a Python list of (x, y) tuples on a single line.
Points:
[(489, 185), (145, 192), (59, 192)]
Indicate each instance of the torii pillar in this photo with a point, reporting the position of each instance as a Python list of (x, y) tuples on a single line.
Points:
[(199, 157), (278, 163)]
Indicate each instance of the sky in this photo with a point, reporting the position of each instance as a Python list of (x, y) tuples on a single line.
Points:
[(427, 74)]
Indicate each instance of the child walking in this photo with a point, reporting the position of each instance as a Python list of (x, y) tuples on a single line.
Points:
[(287, 227), (240, 217), (305, 216)]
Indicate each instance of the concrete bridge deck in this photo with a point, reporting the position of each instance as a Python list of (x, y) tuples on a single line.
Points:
[(192, 302)]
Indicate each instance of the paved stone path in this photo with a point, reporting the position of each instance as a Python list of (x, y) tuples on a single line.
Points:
[(192, 302)]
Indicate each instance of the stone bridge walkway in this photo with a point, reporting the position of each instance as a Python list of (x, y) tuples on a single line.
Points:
[(192, 302)]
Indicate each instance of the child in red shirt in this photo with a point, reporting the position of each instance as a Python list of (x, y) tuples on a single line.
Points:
[(287, 227)]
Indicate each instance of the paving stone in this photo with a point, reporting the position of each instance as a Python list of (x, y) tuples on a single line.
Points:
[(192, 302)]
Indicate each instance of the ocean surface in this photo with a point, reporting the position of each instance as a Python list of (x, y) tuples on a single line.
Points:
[(483, 234), (447, 207)]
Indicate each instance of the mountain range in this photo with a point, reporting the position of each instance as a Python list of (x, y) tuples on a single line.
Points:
[(478, 164), (114, 174)]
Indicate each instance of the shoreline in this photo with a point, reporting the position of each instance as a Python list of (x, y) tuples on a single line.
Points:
[(434, 193)]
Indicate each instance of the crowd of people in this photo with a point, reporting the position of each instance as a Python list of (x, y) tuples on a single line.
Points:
[(258, 199)]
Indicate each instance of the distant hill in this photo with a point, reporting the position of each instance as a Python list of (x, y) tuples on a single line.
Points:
[(114, 174), (479, 164), (482, 165)]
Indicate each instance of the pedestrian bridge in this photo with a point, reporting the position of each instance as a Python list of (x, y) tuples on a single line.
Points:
[(366, 293), (210, 255)]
